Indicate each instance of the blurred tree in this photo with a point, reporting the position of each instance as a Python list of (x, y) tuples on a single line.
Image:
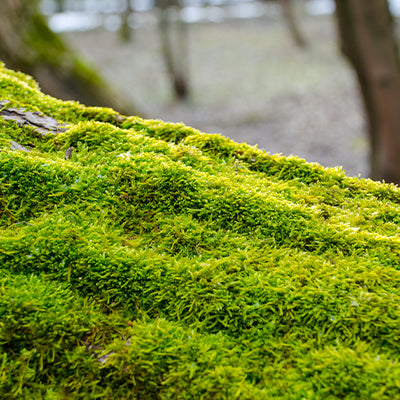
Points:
[(291, 22), (60, 6), (27, 44), (174, 47), (368, 41), (125, 31)]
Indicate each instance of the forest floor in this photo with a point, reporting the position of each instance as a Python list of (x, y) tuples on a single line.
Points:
[(248, 82)]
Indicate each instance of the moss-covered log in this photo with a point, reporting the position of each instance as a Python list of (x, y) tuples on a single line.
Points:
[(160, 262), (27, 44)]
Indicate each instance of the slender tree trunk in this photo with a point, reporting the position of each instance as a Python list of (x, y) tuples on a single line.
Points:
[(60, 6), (368, 41), (27, 44), (125, 31), (174, 50), (288, 15)]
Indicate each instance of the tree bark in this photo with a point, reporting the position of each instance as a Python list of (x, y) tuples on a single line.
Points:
[(27, 44), (368, 41)]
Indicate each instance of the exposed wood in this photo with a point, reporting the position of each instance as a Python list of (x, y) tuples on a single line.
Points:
[(39, 122), (18, 147)]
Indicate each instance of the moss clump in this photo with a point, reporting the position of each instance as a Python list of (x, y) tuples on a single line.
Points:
[(161, 262)]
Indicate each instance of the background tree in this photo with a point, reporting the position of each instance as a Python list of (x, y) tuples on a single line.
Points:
[(368, 41), (174, 35), (291, 22), (174, 41), (125, 31), (27, 44), (60, 6)]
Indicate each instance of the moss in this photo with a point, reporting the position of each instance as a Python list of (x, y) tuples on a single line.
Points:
[(47, 45), (162, 262)]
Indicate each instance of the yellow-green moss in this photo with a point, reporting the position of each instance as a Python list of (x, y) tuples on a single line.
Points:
[(162, 262)]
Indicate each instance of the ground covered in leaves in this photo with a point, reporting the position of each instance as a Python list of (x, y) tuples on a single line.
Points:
[(159, 262)]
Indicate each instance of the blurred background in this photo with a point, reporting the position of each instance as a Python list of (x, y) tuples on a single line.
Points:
[(268, 73)]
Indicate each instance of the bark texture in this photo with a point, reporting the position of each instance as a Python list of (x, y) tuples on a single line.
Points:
[(27, 44), (368, 41), (39, 122)]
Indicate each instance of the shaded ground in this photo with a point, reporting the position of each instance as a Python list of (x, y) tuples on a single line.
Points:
[(249, 83)]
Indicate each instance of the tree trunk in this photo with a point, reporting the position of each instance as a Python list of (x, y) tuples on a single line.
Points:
[(174, 49), (288, 15), (27, 44), (60, 6), (368, 41), (125, 31)]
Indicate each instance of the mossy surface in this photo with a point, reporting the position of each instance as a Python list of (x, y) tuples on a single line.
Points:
[(159, 262)]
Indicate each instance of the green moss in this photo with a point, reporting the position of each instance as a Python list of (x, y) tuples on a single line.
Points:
[(162, 262), (45, 42), (50, 49)]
